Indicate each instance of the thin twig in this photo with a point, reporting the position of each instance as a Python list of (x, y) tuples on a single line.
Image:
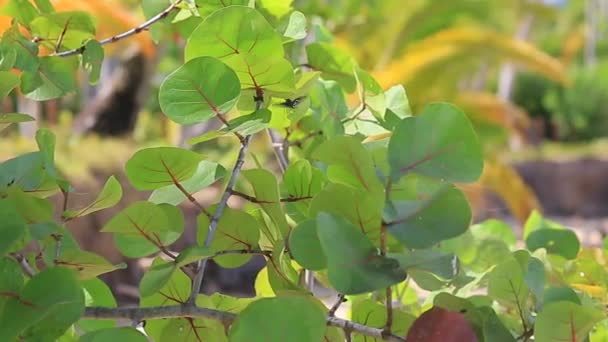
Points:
[(356, 115), (241, 251), (143, 27), (278, 145), (27, 268), (179, 311), (240, 161), (383, 248), (336, 306)]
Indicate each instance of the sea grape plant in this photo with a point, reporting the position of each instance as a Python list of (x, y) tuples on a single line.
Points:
[(367, 201)]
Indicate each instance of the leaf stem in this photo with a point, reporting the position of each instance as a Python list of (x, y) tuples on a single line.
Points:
[(144, 26), (192, 199)]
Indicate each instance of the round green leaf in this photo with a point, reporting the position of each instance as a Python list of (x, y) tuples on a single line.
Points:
[(333, 63), (42, 311), (86, 264), (154, 168), (562, 242), (507, 284), (421, 224), (53, 79), (288, 318), (108, 197), (439, 143), (354, 265), (305, 247), (206, 174), (296, 27), (202, 88)]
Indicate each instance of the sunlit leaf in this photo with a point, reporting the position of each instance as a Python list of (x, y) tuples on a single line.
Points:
[(266, 190), (187, 98), (53, 79), (63, 30), (333, 63), (507, 284), (97, 293), (565, 321), (206, 174), (144, 228), (86, 264), (92, 59), (296, 28), (157, 167), (110, 195)]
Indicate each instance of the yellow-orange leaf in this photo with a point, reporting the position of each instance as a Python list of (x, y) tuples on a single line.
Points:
[(476, 42)]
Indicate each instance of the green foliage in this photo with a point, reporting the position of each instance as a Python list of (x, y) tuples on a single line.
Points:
[(367, 202), (579, 110)]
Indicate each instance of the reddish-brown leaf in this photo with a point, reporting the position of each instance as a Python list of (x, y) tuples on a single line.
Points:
[(440, 325)]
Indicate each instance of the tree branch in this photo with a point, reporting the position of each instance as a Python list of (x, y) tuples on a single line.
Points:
[(254, 199), (144, 26), (219, 210), (336, 306), (179, 311)]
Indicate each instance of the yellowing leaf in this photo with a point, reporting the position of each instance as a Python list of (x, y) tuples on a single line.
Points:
[(592, 290), (490, 108), (507, 183)]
